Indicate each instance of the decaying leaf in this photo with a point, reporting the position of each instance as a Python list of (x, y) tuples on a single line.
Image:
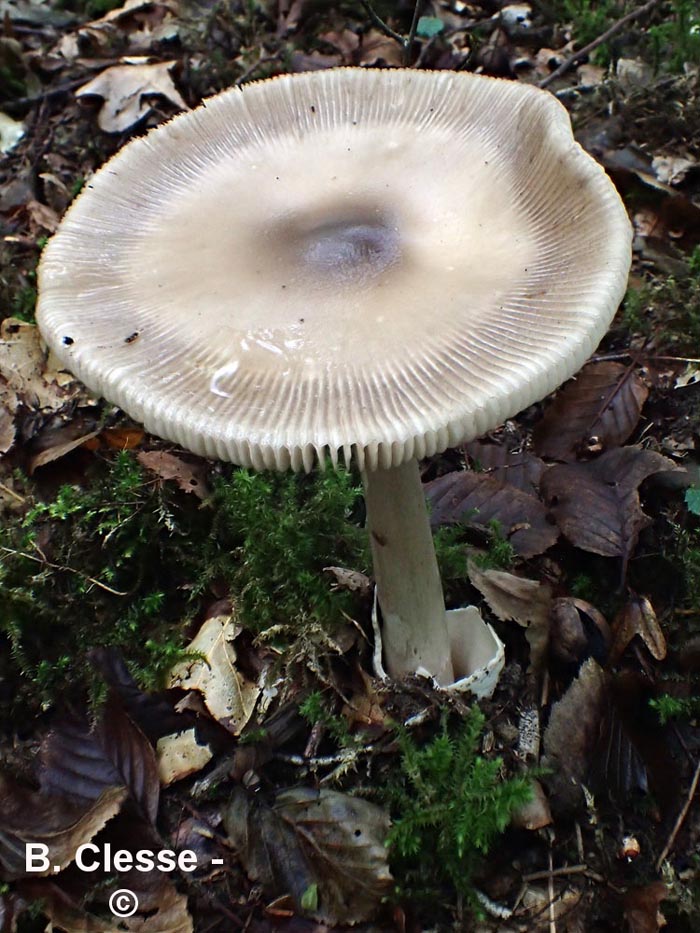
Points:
[(637, 617), (571, 734), (518, 468), (229, 695), (161, 908), (595, 411), (464, 497), (11, 131), (80, 763), (641, 907), (180, 755), (29, 817), (189, 477), (578, 630), (26, 378), (516, 599), (596, 504), (126, 89), (314, 837), (535, 813)]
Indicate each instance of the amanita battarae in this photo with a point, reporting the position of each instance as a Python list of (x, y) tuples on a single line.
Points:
[(378, 264)]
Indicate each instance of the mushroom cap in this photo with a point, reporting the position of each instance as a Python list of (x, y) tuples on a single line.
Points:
[(383, 263)]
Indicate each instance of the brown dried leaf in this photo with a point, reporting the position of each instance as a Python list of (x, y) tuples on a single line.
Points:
[(29, 817), (637, 617), (595, 411), (379, 49), (516, 468), (122, 438), (596, 504), (25, 370), (464, 497), (125, 90), (180, 755), (229, 695), (572, 732), (578, 629), (161, 908), (80, 762), (189, 477), (63, 441), (315, 837), (642, 908), (516, 599), (535, 813)]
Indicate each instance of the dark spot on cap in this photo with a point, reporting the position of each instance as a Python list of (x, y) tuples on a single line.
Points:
[(131, 337), (68, 341)]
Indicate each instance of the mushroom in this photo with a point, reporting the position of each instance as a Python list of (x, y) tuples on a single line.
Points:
[(373, 264)]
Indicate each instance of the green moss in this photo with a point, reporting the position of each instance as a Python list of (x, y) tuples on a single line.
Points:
[(272, 535), (126, 562), (448, 804)]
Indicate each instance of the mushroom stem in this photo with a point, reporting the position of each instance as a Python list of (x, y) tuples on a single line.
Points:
[(410, 593)]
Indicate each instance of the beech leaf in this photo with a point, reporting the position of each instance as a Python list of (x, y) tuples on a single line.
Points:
[(464, 497), (517, 468), (572, 732), (517, 599), (30, 817), (319, 838), (637, 617), (595, 411), (596, 504), (228, 694), (80, 762)]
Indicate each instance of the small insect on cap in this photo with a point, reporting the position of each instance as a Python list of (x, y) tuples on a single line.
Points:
[(383, 263)]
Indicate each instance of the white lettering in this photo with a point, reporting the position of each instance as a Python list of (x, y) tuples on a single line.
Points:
[(36, 852), (87, 847)]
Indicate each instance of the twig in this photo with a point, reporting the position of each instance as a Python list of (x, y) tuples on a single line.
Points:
[(47, 563), (263, 60), (406, 42), (681, 817), (608, 34), (11, 492), (550, 890), (380, 24), (556, 872)]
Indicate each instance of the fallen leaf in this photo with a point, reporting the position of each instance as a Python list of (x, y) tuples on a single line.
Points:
[(122, 438), (314, 837), (188, 476), (641, 907), (63, 441), (229, 695), (637, 617), (11, 131), (29, 817), (517, 468), (180, 755), (596, 505), (597, 410), (80, 762), (571, 734), (125, 89), (379, 49), (465, 497), (534, 814), (25, 369), (578, 630), (516, 599)]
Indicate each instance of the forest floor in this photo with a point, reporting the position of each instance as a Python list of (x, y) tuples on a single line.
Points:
[(186, 648)]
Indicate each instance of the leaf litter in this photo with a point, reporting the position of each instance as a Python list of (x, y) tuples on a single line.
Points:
[(515, 485)]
